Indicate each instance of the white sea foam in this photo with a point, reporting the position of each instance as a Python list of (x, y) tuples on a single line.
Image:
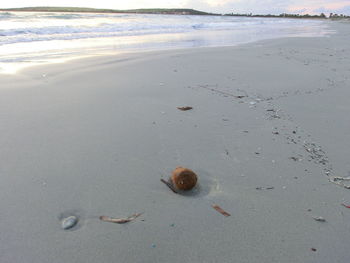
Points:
[(28, 36), (56, 26)]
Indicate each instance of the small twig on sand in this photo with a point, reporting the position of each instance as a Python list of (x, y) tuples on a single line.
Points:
[(264, 188), (319, 219), (185, 108), (172, 188), (220, 210)]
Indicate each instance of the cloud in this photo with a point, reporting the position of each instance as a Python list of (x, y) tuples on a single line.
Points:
[(239, 6), (317, 6), (271, 6), (344, 10)]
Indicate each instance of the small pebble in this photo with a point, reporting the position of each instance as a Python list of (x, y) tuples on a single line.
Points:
[(69, 222)]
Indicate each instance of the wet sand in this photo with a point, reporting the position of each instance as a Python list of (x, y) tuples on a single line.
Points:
[(268, 130)]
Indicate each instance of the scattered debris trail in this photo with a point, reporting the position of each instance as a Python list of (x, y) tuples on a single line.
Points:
[(285, 126), (338, 180)]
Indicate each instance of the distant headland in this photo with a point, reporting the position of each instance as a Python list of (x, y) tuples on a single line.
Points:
[(173, 11)]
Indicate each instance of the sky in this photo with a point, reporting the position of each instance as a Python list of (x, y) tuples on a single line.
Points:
[(214, 6)]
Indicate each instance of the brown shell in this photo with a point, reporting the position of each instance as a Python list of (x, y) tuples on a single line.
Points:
[(183, 178)]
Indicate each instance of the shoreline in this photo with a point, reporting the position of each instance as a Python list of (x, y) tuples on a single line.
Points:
[(93, 137), (21, 55), (134, 54)]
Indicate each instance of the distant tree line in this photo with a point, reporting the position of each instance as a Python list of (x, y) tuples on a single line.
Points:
[(320, 16), (336, 16)]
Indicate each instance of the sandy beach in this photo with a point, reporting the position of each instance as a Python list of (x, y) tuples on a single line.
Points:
[(268, 133)]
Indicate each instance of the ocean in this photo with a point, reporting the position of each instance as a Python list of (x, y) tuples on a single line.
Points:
[(29, 38)]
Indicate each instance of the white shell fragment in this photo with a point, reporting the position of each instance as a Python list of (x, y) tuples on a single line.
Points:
[(120, 220), (69, 222)]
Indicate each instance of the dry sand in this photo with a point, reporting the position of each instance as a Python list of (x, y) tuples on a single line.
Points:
[(93, 137)]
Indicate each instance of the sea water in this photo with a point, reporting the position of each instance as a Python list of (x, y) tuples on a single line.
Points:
[(31, 38)]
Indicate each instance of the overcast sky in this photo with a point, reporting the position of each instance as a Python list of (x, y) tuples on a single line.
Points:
[(218, 6)]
